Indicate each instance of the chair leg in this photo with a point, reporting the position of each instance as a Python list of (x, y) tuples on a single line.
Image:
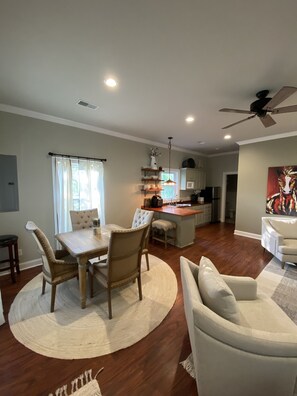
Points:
[(147, 261), (139, 287), (91, 284), (43, 286), (53, 297), (16, 257), (165, 238), (109, 302), (11, 263)]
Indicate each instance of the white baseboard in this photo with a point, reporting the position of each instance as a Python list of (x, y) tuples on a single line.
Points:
[(25, 265), (247, 234)]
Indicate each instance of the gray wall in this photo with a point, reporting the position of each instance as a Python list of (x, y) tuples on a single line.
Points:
[(254, 161), (31, 140), (216, 166)]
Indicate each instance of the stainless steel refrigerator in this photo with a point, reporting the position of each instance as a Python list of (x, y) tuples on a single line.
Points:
[(213, 195)]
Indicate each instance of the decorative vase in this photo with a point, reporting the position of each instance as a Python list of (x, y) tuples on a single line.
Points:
[(153, 162)]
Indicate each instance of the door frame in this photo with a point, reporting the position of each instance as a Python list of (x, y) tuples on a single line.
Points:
[(224, 193)]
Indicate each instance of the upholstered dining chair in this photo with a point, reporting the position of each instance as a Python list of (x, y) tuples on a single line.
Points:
[(57, 266), (81, 219), (142, 217), (123, 262)]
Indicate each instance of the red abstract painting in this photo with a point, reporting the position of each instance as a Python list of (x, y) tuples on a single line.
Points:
[(282, 190)]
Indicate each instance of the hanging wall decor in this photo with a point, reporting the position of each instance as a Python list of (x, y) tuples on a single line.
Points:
[(282, 190)]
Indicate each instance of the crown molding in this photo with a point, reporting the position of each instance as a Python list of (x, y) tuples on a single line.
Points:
[(221, 154), (92, 128), (266, 138)]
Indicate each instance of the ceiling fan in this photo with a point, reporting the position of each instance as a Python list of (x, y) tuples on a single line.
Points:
[(265, 105)]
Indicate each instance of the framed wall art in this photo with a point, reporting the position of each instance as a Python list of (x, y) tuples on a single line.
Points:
[(282, 190)]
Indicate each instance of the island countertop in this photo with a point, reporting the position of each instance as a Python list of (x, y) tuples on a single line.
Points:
[(175, 211)]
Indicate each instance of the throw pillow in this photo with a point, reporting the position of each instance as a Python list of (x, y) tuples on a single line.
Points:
[(217, 295), (204, 261)]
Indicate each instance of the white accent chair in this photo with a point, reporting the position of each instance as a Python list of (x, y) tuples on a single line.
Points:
[(142, 217), (255, 357), (81, 219), (279, 237)]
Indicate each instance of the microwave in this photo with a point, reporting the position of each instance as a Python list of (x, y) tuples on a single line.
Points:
[(190, 185)]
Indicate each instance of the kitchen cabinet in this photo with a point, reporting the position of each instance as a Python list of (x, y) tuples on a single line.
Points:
[(192, 179), (205, 217), (151, 179)]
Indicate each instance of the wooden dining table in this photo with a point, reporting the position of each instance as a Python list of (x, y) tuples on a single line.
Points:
[(84, 245)]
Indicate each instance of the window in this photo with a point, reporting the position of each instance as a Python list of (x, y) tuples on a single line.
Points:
[(170, 193), (78, 185)]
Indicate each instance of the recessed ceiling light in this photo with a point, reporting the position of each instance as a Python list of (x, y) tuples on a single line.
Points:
[(200, 142), (110, 82), (190, 119), (227, 137)]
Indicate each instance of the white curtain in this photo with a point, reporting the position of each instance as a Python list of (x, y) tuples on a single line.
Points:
[(78, 185)]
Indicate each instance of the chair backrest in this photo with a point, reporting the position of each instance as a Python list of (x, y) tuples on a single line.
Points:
[(81, 219), (44, 247), (142, 217), (124, 253)]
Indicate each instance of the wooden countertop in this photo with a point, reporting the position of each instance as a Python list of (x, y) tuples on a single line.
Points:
[(176, 211)]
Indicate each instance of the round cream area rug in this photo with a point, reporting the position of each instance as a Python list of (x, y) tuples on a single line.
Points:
[(74, 333)]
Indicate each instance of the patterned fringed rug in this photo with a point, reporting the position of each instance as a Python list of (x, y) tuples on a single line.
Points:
[(188, 365), (279, 284), (84, 385), (74, 333)]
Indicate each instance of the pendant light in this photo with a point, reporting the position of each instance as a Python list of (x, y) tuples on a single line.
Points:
[(169, 182)]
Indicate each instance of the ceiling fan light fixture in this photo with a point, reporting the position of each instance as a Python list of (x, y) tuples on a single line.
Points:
[(264, 104)]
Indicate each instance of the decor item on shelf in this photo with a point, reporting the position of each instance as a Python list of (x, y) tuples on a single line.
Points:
[(188, 163), (169, 182), (154, 153)]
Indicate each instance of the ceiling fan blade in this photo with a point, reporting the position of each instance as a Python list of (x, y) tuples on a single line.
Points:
[(239, 122), (267, 121), (236, 111), (287, 109), (279, 97)]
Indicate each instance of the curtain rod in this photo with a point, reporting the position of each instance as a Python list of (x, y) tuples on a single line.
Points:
[(76, 157)]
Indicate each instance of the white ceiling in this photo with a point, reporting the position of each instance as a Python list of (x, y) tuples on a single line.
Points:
[(171, 58)]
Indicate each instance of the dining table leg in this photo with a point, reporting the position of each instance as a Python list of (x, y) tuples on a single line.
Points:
[(82, 275)]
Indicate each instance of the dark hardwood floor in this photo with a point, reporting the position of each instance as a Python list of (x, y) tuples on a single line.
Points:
[(151, 366)]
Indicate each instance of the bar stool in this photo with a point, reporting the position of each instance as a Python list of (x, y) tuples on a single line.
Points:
[(10, 242), (160, 230)]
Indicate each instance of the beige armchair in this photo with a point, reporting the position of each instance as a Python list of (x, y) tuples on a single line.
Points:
[(142, 217), (253, 352), (57, 266), (279, 237), (81, 219), (123, 262)]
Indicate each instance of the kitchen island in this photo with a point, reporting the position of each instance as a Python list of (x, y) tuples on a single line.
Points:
[(184, 218)]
